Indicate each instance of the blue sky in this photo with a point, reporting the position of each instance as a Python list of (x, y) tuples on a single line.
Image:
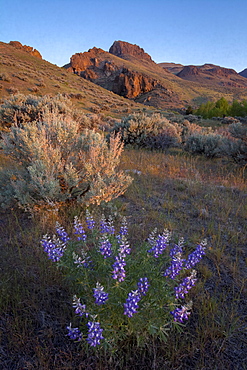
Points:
[(179, 31)]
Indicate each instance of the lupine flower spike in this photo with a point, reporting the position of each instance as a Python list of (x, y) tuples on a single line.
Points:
[(79, 230), (143, 285), (94, 333), (53, 247), (181, 314), (124, 227), (118, 268), (131, 305), (160, 244), (187, 283), (178, 248), (124, 247), (175, 267), (80, 309), (105, 247), (99, 294), (62, 233), (89, 220), (74, 333), (196, 256), (82, 260)]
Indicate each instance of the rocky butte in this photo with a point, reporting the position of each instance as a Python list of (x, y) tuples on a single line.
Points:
[(124, 50), (112, 71), (26, 48), (129, 71)]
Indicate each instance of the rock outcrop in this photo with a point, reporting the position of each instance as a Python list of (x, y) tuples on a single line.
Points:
[(26, 48), (104, 69), (131, 84), (123, 49)]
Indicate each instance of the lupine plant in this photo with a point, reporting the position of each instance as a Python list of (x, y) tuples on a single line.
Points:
[(122, 291)]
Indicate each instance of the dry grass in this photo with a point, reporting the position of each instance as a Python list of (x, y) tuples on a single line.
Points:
[(192, 196)]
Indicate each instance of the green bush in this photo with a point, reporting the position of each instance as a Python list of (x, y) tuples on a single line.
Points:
[(222, 108), (153, 132), (55, 162)]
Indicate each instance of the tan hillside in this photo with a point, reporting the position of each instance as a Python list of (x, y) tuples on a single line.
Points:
[(24, 73)]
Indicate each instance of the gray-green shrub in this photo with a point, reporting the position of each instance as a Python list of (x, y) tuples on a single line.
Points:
[(153, 132), (21, 108), (55, 162), (235, 145), (208, 145)]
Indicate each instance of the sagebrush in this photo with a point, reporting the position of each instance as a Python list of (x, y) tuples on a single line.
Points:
[(55, 162)]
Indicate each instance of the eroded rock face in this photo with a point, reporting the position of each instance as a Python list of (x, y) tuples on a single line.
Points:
[(26, 48), (79, 62), (96, 67), (114, 74), (131, 84), (122, 48)]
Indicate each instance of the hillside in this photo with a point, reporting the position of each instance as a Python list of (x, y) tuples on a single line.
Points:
[(24, 73), (118, 81), (130, 72)]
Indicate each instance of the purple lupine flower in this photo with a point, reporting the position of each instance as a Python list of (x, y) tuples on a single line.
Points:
[(103, 225), (181, 314), (89, 220), (80, 309), (196, 256), (175, 267), (53, 247), (152, 237), (143, 285), (131, 305), (62, 233), (178, 248), (160, 244), (105, 247), (124, 247), (187, 283), (124, 228), (118, 268), (79, 230), (107, 226), (99, 294), (83, 260), (74, 333), (94, 333)]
